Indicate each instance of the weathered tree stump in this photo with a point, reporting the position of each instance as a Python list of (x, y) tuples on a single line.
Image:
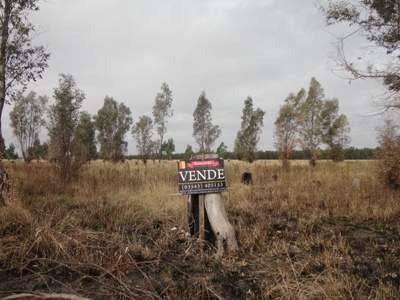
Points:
[(222, 229)]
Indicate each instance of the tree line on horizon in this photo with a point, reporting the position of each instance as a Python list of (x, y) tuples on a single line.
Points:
[(350, 153), (306, 120), (76, 136)]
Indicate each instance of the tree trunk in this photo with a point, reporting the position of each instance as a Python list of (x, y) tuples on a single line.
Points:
[(313, 158), (4, 187), (3, 60), (285, 164), (2, 143), (220, 225)]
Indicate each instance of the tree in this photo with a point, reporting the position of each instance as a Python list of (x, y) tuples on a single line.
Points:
[(20, 61), (113, 121), (389, 154), (38, 150), (378, 21), (188, 152), (10, 152), (143, 132), (335, 129), (204, 132), (249, 133), (286, 126), (168, 148), (154, 152), (222, 150), (161, 112), (310, 121), (65, 148), (27, 119), (86, 133)]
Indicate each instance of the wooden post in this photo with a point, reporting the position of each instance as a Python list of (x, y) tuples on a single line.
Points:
[(193, 215), (202, 214), (198, 222)]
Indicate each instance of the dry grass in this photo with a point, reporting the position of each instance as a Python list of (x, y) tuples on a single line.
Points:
[(117, 233)]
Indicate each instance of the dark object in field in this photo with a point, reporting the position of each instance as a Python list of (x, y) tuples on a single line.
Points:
[(316, 183), (275, 177), (247, 178)]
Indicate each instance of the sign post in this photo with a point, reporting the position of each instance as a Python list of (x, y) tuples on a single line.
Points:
[(203, 180)]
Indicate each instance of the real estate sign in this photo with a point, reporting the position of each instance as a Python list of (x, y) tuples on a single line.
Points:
[(201, 176)]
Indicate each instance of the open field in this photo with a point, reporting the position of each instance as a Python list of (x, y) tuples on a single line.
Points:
[(118, 233)]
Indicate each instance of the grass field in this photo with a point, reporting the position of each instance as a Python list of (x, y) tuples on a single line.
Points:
[(119, 232)]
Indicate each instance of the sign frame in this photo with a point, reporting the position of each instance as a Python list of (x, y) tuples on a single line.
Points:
[(201, 176)]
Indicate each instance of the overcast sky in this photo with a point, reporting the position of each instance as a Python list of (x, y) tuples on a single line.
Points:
[(231, 49)]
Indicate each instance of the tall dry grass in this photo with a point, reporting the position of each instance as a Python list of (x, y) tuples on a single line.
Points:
[(118, 232)]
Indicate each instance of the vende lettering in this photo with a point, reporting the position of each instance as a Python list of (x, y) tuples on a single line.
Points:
[(202, 175)]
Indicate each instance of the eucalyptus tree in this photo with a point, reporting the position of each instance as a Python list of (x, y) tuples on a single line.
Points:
[(10, 152), (86, 132), (142, 131), (249, 133), (27, 120), (188, 152), (39, 150), (286, 127), (389, 153), (222, 150), (319, 122), (310, 121), (168, 148), (162, 111), (204, 132), (112, 122), (335, 129), (65, 148)]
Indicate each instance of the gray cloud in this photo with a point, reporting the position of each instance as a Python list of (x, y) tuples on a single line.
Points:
[(229, 48)]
